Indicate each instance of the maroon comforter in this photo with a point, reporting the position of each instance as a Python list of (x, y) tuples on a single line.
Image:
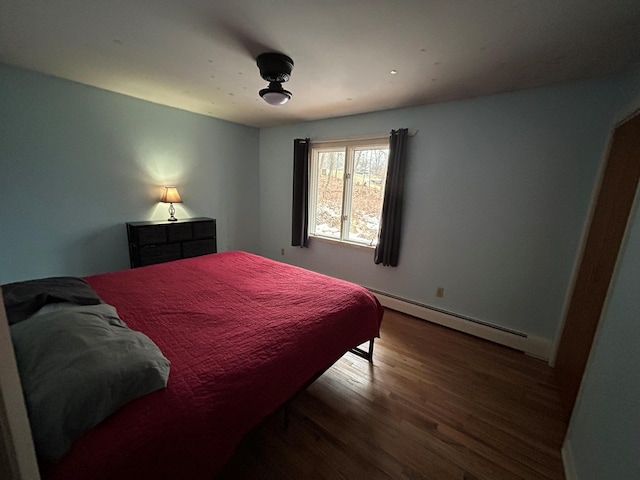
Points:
[(243, 334)]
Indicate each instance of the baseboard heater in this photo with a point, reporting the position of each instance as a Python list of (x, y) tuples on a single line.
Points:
[(530, 344)]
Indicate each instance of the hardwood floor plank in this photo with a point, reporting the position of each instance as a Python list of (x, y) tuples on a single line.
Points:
[(435, 404)]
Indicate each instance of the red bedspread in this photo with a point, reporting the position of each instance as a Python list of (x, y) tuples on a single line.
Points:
[(243, 334)]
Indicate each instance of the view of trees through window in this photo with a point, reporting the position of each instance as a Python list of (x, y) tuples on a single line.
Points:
[(348, 193)]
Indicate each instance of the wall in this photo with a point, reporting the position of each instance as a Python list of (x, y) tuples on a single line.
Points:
[(604, 432), (497, 195), (78, 162)]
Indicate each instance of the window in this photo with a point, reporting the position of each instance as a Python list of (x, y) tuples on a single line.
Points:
[(346, 189)]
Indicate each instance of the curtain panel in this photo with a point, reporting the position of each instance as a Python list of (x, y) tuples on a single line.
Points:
[(300, 210), (388, 247)]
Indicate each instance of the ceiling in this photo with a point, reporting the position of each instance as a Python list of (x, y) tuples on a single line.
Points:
[(199, 55)]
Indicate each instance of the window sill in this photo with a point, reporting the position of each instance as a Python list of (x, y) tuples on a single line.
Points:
[(359, 246)]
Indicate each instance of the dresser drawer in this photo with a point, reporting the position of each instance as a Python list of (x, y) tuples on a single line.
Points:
[(179, 232), (198, 247), (160, 253), (151, 234)]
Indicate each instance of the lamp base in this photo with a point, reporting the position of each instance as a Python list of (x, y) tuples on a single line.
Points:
[(172, 212)]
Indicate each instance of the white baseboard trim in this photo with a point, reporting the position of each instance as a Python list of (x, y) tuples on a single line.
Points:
[(532, 345), (568, 462)]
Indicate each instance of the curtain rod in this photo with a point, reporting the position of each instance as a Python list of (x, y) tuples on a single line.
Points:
[(412, 133)]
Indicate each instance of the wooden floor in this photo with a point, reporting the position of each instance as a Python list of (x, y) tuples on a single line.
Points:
[(436, 404)]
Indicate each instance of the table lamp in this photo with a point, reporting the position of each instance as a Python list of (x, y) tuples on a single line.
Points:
[(171, 196)]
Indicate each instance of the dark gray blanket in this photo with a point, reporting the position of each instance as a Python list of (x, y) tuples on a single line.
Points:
[(23, 299)]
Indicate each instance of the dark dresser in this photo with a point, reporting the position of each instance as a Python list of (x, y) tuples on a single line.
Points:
[(162, 241)]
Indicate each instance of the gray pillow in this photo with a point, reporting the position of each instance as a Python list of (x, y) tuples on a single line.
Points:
[(79, 365)]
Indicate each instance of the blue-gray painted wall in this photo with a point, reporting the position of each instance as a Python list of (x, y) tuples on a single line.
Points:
[(496, 199), (77, 163)]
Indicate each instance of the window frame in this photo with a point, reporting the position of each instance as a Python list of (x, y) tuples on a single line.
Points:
[(348, 146)]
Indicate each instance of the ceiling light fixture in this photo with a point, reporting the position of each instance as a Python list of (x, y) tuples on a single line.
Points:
[(275, 68)]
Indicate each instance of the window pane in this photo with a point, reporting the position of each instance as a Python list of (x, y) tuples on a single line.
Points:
[(369, 174), (330, 187)]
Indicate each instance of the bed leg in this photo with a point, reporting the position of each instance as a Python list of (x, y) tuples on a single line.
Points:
[(364, 353)]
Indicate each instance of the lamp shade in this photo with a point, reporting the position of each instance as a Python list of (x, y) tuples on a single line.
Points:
[(170, 195)]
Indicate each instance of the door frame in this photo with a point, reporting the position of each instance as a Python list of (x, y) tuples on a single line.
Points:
[(583, 244), (583, 238)]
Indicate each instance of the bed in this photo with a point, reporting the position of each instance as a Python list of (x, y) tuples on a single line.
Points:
[(242, 333)]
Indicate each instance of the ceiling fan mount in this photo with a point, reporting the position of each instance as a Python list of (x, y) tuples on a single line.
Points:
[(275, 68)]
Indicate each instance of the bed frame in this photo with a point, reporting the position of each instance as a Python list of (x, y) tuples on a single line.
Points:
[(286, 407)]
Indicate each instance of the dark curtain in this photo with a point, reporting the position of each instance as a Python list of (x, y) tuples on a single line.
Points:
[(300, 210), (388, 247)]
